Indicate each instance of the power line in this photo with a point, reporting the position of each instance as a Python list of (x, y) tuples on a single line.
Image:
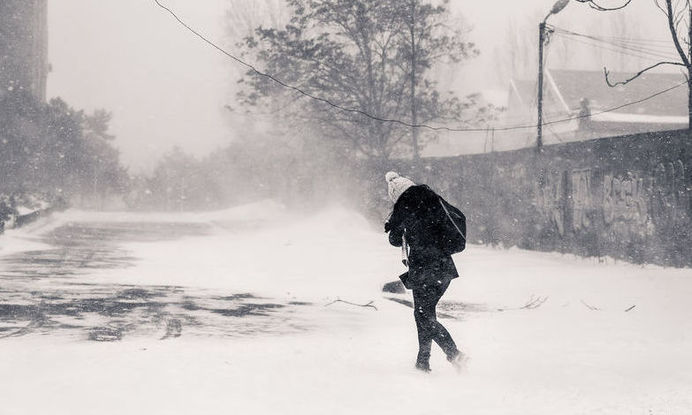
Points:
[(660, 52), (288, 86), (619, 51), (607, 110), (653, 42), (644, 44), (641, 49), (386, 120), (615, 49), (638, 40)]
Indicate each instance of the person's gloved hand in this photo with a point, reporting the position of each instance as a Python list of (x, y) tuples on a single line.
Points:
[(387, 227)]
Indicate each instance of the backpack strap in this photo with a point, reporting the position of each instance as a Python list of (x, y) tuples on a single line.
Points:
[(404, 250), (442, 203)]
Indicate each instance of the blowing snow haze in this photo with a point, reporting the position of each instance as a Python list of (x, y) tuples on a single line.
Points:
[(399, 192), (166, 88), (163, 86)]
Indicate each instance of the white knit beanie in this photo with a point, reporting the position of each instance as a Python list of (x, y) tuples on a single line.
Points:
[(397, 185)]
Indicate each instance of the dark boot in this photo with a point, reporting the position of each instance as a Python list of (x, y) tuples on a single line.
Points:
[(423, 367), (458, 360)]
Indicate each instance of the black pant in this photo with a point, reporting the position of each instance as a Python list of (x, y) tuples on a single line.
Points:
[(425, 300)]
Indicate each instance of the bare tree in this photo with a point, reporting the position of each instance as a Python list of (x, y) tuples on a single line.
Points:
[(678, 15), (620, 28), (368, 57), (244, 16), (516, 57), (428, 38)]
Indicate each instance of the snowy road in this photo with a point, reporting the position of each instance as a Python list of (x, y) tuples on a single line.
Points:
[(226, 313), (53, 290)]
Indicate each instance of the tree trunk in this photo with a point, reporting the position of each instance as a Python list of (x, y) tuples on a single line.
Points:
[(414, 108), (689, 99), (689, 78)]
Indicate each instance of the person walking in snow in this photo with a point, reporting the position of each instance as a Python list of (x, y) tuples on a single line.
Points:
[(417, 225)]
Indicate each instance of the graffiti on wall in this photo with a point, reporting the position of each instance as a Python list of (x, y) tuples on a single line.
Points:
[(625, 199), (612, 197), (582, 200), (549, 200), (516, 173), (670, 198), (631, 203), (661, 199)]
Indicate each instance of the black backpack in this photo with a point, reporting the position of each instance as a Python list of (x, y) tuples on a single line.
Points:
[(453, 229)]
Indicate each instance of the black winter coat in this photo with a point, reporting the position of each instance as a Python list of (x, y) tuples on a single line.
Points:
[(418, 215)]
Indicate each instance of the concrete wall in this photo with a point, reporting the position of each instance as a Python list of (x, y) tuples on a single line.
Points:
[(628, 197), (24, 46)]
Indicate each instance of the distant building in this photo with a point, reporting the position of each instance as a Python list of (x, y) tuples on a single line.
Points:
[(585, 94), (24, 46), (581, 97)]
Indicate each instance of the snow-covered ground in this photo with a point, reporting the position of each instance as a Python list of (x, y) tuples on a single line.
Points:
[(546, 333)]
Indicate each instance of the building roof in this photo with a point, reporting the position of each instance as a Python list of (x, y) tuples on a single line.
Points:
[(564, 89), (575, 85)]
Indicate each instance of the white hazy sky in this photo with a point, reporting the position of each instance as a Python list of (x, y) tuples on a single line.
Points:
[(167, 88)]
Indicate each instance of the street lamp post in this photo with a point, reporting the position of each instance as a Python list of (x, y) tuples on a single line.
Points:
[(557, 8)]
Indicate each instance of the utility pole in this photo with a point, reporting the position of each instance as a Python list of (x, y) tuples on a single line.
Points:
[(539, 125), (557, 8)]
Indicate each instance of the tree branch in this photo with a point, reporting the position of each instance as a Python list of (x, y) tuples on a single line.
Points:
[(338, 300), (589, 306), (600, 8), (531, 304), (638, 74), (660, 7), (674, 33)]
